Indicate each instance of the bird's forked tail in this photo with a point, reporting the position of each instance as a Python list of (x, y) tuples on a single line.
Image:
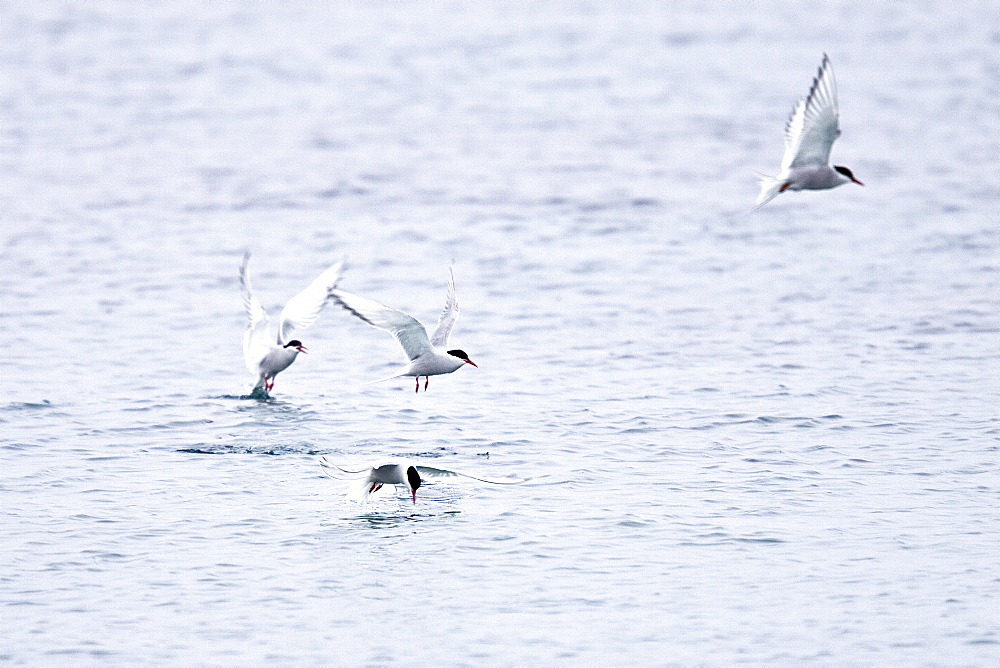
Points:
[(770, 187)]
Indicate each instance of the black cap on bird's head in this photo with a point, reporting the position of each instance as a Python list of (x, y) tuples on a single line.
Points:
[(848, 173), (413, 478), (295, 343), (460, 354)]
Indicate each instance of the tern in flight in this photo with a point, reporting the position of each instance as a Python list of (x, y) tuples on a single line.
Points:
[(809, 135), (265, 356), (429, 356)]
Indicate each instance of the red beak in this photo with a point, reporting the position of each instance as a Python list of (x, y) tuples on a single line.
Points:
[(858, 182), (472, 363), (302, 349), (414, 493)]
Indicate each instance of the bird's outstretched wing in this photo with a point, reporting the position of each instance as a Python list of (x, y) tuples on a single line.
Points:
[(303, 309), (408, 331), (339, 473), (814, 123), (432, 472), (448, 316), (257, 338)]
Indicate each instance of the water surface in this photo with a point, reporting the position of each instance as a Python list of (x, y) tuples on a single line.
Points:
[(766, 438)]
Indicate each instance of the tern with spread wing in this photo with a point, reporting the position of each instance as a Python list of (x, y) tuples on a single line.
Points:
[(809, 135), (429, 356), (370, 479), (265, 356)]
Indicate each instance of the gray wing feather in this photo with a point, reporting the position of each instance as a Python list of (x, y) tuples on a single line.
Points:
[(814, 123), (432, 472), (410, 334), (303, 309), (448, 316), (334, 471), (257, 338)]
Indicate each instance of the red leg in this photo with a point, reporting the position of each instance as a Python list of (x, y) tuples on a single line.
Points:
[(785, 187), (418, 384), (427, 381)]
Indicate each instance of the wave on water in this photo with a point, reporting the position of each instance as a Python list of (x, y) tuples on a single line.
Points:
[(27, 405), (258, 393), (392, 519), (272, 450)]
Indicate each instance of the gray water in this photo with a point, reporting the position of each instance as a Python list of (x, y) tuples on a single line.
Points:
[(765, 438)]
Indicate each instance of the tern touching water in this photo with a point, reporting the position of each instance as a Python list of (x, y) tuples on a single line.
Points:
[(428, 356), (266, 357), (370, 479), (809, 135)]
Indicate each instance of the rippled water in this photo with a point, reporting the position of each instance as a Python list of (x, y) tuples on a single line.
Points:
[(763, 438)]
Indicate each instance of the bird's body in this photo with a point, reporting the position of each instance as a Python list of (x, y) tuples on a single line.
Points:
[(277, 359), (429, 356), (433, 363), (370, 479), (815, 177), (809, 135), (267, 356)]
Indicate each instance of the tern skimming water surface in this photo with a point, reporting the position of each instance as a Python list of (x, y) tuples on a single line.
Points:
[(266, 356), (370, 479)]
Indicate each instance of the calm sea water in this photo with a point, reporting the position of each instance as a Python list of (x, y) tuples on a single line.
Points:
[(765, 438)]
